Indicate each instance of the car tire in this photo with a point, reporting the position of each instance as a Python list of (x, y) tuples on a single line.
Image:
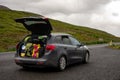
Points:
[(62, 63), (86, 58)]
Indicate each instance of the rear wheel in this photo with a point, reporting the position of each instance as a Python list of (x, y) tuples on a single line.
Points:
[(62, 63), (86, 58)]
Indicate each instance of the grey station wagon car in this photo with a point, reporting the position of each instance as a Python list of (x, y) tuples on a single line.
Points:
[(42, 48)]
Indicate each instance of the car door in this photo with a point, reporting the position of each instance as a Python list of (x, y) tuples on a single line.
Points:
[(71, 50), (79, 48)]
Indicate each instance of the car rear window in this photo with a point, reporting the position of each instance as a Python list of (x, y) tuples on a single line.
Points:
[(35, 22)]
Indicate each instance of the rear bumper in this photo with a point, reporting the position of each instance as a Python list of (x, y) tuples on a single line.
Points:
[(31, 62)]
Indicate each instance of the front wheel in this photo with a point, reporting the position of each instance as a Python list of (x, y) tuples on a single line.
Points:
[(62, 63), (86, 58)]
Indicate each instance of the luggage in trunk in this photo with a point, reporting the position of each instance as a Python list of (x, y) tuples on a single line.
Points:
[(33, 46)]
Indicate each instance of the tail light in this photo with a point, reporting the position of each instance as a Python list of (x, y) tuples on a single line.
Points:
[(50, 47)]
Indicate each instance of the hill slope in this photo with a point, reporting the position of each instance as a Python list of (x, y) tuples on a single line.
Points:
[(4, 7), (11, 32)]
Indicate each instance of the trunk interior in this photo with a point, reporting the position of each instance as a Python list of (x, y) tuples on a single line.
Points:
[(33, 46)]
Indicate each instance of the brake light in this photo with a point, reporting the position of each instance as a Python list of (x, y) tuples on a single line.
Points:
[(50, 47)]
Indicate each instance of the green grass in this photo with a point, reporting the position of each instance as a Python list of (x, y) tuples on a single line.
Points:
[(11, 32), (115, 46)]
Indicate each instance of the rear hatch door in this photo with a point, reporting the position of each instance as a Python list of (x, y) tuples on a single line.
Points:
[(37, 25)]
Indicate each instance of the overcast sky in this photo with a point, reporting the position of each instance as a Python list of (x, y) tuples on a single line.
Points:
[(99, 14)]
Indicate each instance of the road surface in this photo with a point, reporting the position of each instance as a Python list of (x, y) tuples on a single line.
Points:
[(104, 65)]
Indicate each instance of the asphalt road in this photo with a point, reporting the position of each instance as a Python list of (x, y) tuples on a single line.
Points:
[(104, 65)]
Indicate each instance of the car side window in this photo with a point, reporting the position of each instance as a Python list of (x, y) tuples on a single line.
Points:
[(74, 41), (66, 40), (58, 39)]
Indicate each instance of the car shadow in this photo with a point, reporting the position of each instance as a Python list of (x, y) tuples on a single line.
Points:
[(38, 70), (51, 69)]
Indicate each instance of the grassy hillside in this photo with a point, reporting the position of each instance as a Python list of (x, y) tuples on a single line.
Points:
[(11, 32)]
